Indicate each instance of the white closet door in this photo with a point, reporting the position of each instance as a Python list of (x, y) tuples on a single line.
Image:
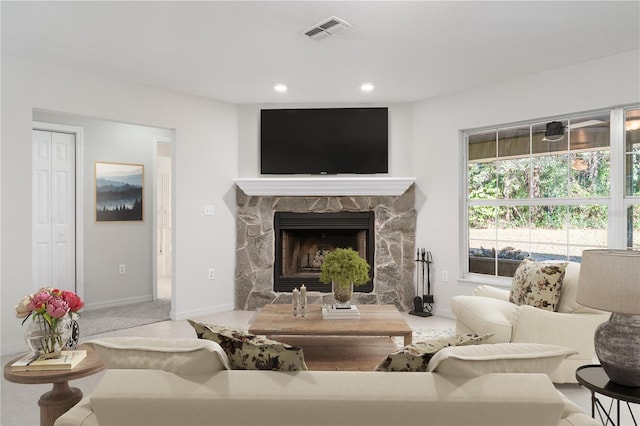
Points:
[(53, 192)]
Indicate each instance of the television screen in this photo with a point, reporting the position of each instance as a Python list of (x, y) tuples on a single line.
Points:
[(324, 141)]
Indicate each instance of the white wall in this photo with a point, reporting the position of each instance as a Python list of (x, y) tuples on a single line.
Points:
[(437, 151), (205, 163), (399, 136)]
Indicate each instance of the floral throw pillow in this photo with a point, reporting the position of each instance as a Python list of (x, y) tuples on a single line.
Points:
[(249, 352), (416, 356), (538, 284)]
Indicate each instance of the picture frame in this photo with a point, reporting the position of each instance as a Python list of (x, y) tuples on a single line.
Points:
[(119, 190)]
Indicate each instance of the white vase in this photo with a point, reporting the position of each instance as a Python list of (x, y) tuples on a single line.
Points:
[(342, 294)]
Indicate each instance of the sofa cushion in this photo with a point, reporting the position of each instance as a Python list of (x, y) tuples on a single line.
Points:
[(538, 284), (473, 361), (179, 356), (416, 356), (249, 352)]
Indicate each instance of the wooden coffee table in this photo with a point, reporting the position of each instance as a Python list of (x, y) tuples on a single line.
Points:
[(375, 320)]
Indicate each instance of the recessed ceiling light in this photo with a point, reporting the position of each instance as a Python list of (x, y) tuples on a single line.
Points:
[(366, 87), (280, 87)]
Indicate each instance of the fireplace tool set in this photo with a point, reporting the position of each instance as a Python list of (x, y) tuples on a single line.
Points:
[(422, 305)]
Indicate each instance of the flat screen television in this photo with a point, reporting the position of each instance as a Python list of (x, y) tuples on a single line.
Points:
[(324, 141)]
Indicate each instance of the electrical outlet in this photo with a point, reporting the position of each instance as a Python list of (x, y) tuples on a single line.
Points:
[(122, 269), (445, 276), (212, 274)]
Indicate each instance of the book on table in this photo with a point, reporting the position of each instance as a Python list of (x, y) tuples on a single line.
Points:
[(66, 361), (329, 312)]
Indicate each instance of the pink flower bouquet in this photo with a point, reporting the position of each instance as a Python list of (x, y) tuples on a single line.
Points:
[(48, 306)]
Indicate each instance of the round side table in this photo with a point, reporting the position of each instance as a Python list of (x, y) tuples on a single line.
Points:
[(594, 378), (62, 397)]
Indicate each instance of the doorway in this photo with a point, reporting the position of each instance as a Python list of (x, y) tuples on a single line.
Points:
[(55, 218), (163, 220)]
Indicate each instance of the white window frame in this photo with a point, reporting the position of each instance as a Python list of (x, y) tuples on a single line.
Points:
[(627, 200), (617, 203)]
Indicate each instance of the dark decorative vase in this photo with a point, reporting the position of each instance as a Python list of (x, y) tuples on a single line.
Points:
[(617, 344)]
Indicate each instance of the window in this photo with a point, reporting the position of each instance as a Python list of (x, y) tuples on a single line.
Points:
[(632, 176), (535, 192)]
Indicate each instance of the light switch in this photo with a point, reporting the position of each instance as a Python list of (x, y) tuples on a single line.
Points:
[(209, 210)]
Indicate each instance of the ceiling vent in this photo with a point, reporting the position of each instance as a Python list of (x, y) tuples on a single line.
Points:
[(327, 27)]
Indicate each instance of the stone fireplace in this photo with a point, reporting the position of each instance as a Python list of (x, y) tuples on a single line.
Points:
[(393, 233)]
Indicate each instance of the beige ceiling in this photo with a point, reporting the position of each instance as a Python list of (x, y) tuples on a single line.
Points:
[(235, 50)]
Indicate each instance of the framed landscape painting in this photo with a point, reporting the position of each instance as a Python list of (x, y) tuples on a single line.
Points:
[(119, 189)]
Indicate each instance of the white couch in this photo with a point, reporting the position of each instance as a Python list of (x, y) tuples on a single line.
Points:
[(189, 387), (488, 310), (322, 398)]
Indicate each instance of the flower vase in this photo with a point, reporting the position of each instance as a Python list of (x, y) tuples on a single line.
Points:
[(342, 294), (45, 338)]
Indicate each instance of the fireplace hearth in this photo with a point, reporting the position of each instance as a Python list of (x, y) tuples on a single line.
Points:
[(303, 239)]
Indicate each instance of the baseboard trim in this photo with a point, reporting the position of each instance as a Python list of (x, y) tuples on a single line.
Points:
[(179, 316), (118, 302), (444, 313)]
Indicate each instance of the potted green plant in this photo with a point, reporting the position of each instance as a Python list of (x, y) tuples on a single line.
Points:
[(344, 268)]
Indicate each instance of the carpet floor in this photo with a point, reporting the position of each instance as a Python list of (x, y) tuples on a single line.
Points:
[(120, 317), (420, 334)]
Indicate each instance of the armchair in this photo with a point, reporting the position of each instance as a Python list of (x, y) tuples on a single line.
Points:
[(488, 310)]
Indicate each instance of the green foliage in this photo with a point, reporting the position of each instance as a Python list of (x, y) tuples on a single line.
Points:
[(482, 181), (481, 216), (344, 266), (588, 217), (633, 172), (580, 175), (513, 178), (552, 217)]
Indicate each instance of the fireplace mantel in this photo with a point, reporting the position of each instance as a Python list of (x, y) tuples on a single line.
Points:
[(325, 186)]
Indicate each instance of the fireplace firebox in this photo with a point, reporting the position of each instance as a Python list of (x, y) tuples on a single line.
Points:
[(303, 239)]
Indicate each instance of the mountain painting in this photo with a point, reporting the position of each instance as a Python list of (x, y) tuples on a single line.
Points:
[(119, 192)]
